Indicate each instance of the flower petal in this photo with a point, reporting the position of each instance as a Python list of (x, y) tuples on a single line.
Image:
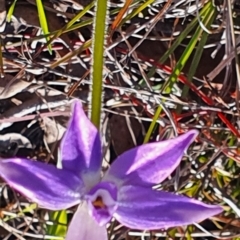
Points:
[(83, 226), (81, 146), (147, 209), (150, 163), (44, 184)]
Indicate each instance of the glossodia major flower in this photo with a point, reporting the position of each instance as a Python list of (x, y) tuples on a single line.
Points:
[(124, 192)]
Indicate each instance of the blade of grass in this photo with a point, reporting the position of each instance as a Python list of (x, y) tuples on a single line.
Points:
[(71, 54), (136, 11), (59, 227), (43, 21), (99, 33), (188, 51), (76, 26), (176, 43), (71, 22), (206, 11), (209, 101), (152, 125), (196, 58), (10, 11)]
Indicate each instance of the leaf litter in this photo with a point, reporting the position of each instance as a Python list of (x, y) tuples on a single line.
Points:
[(34, 96)]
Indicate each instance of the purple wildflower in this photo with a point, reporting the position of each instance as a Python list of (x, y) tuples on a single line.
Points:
[(124, 192)]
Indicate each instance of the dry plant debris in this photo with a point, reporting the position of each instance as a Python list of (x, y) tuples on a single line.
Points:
[(147, 49)]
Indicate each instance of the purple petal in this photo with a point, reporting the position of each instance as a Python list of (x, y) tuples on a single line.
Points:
[(150, 163), (81, 146), (83, 226), (147, 209), (44, 184)]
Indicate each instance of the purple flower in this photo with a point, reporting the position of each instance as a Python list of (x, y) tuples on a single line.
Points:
[(124, 192)]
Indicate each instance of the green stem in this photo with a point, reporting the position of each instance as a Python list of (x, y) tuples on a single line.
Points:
[(99, 34)]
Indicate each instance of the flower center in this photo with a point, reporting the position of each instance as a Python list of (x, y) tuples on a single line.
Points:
[(102, 202), (98, 203)]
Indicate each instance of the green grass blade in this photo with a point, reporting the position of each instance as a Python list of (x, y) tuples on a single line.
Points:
[(43, 21), (76, 26), (71, 22), (10, 11), (59, 227), (188, 51), (207, 15), (79, 15), (137, 11), (198, 53), (98, 44), (71, 54), (152, 125), (176, 43)]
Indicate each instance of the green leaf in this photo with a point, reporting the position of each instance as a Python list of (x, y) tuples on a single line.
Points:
[(43, 21)]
